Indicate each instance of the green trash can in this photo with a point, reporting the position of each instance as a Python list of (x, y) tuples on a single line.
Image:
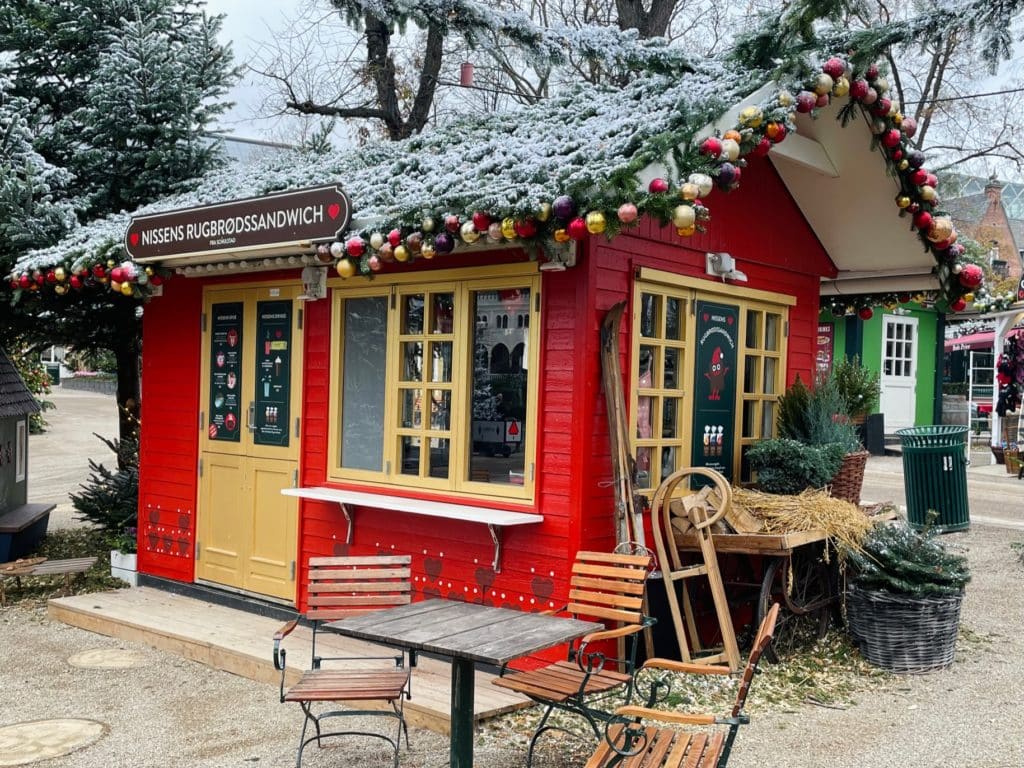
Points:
[(53, 371), (935, 476)]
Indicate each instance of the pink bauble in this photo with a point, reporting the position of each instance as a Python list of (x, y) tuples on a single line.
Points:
[(627, 213), (908, 126)]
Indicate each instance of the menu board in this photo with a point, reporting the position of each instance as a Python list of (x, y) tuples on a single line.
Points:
[(273, 371), (823, 348), (226, 372), (714, 402)]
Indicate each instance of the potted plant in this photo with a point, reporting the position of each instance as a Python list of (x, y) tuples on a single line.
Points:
[(858, 387), (123, 556), (817, 419), (903, 598)]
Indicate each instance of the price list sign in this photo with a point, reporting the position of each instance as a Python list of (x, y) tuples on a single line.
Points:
[(273, 371), (226, 372)]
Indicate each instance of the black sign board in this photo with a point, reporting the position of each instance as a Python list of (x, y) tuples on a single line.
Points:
[(714, 403), (226, 372), (273, 371), (273, 221)]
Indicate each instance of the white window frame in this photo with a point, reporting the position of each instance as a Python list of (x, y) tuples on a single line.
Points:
[(21, 451)]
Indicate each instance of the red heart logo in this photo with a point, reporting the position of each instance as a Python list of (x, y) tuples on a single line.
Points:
[(730, 320), (134, 238), (333, 210), (706, 316)]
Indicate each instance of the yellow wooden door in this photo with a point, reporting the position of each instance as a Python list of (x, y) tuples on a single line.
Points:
[(249, 439)]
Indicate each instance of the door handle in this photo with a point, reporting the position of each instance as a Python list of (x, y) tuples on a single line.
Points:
[(251, 424)]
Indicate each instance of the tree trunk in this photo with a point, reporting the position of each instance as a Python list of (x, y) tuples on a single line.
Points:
[(127, 353)]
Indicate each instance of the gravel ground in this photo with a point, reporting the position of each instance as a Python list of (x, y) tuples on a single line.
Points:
[(172, 711)]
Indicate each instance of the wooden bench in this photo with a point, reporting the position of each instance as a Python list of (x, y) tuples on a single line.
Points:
[(21, 528), (494, 519), (44, 568), (628, 743), (341, 587)]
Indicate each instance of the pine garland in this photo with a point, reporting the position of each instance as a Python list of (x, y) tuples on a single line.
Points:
[(896, 559)]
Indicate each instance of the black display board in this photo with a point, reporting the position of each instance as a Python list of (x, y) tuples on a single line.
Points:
[(226, 372), (714, 403), (273, 371)]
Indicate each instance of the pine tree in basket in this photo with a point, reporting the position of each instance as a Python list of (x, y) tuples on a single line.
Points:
[(899, 560)]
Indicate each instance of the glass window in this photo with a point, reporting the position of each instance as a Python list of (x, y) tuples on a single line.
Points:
[(435, 389), (21, 451)]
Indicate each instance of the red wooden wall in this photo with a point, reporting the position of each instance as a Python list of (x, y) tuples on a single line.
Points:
[(759, 224)]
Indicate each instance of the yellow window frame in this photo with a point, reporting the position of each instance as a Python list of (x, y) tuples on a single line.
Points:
[(462, 284)]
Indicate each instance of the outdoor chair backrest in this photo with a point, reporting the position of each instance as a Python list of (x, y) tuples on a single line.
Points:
[(340, 587), (765, 633), (607, 586)]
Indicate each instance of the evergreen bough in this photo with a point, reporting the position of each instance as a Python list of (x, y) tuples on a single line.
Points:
[(109, 498), (899, 560), (790, 466)]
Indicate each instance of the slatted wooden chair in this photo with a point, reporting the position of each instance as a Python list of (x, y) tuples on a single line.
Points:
[(340, 587), (628, 743), (604, 587)]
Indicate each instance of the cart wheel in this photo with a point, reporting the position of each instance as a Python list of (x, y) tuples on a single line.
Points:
[(805, 610)]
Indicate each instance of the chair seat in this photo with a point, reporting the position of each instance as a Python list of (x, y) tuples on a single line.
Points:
[(664, 748), (349, 685), (560, 681)]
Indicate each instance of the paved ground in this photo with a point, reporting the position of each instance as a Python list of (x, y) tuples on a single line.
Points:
[(59, 458)]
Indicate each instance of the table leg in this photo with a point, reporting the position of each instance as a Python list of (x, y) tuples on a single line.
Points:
[(462, 714)]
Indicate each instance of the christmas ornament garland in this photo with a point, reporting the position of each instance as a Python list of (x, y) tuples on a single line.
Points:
[(705, 167), (864, 305)]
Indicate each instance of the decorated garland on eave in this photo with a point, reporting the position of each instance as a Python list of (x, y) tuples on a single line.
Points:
[(717, 161), (864, 305)]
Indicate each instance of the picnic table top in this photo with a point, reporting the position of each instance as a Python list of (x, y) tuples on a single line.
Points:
[(461, 630), (40, 566)]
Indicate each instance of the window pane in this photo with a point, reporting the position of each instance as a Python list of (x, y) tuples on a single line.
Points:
[(670, 417), (442, 305), (668, 461), (767, 418), (753, 329), (645, 374), (410, 453), (412, 361), (412, 413), (643, 467), (498, 386), (650, 313), (674, 309), (441, 369), (671, 368), (362, 389), (440, 409), (412, 314), (771, 367), (749, 421), (750, 374), (772, 323), (438, 457)]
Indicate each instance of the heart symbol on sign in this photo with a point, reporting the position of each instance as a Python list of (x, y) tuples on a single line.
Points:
[(706, 316), (333, 210), (730, 320), (134, 238)]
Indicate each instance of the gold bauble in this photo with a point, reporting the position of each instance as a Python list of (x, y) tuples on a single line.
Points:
[(842, 86), (904, 164), (544, 212), (689, 191), (127, 289), (928, 194), (685, 231), (751, 117), (683, 217), (596, 222), (149, 271), (346, 268), (823, 84), (941, 229), (561, 236), (968, 297), (427, 225), (896, 115), (427, 251), (785, 99), (60, 290), (881, 86), (903, 201), (508, 228), (469, 233), (114, 286), (401, 253)]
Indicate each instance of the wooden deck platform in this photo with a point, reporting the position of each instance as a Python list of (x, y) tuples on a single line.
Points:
[(241, 643)]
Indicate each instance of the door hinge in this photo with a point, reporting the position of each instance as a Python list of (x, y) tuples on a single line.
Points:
[(295, 478), (297, 420), (202, 322), (200, 467), (293, 570), (300, 319)]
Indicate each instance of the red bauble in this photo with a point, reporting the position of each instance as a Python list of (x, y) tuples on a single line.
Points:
[(51, 277), (24, 281), (858, 89), (897, 155), (776, 132), (481, 221), (941, 245), (659, 186), (156, 280), (823, 101), (918, 176), (959, 305), (872, 72), (932, 181), (881, 107), (39, 278), (903, 298), (762, 148), (76, 282), (891, 139), (452, 223), (117, 275), (394, 238), (971, 276), (923, 220), (528, 227), (98, 271), (834, 67), (711, 146), (355, 247), (806, 101), (865, 313), (577, 229), (914, 207)]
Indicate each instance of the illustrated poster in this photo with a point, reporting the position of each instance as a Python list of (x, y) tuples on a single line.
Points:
[(823, 348), (714, 404), (225, 372), (273, 371)]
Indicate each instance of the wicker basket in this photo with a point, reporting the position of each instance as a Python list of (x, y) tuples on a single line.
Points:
[(903, 633), (1012, 461), (848, 480)]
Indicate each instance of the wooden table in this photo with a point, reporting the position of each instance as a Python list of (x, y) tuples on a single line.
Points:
[(466, 633)]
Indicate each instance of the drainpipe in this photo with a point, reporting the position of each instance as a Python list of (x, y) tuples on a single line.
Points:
[(940, 362)]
